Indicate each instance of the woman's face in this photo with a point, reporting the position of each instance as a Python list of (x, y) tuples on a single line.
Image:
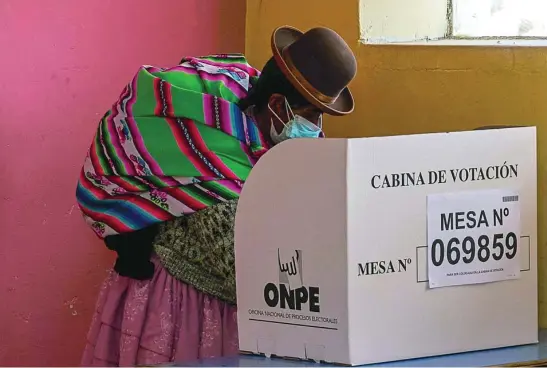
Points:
[(278, 105)]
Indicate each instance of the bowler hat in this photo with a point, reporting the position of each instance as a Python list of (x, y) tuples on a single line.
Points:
[(319, 64)]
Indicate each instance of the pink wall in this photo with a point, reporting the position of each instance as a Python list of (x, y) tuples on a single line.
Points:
[(63, 62)]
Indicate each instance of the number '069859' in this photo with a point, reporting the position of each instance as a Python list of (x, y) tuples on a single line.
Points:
[(468, 250)]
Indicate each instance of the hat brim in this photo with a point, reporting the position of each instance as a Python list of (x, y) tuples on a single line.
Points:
[(285, 36)]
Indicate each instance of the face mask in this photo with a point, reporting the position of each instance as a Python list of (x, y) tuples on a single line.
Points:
[(297, 127)]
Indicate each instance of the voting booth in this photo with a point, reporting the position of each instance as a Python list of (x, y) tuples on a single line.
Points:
[(358, 251)]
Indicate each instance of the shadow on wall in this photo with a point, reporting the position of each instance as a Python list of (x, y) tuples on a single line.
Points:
[(64, 63)]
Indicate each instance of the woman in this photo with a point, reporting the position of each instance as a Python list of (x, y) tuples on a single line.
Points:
[(161, 181)]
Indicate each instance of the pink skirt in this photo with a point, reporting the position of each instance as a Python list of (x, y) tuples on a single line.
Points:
[(158, 321)]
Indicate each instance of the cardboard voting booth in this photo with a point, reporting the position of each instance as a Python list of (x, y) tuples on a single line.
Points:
[(358, 251)]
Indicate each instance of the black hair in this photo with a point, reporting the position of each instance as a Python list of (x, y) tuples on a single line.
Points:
[(272, 80)]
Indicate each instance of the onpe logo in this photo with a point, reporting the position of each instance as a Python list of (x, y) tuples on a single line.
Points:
[(291, 293)]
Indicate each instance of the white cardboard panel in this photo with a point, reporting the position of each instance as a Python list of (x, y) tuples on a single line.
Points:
[(300, 204), (315, 196), (436, 321)]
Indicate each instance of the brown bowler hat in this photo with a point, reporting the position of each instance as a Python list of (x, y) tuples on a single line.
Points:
[(319, 63)]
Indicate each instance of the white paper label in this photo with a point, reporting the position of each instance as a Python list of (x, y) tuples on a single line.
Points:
[(473, 237)]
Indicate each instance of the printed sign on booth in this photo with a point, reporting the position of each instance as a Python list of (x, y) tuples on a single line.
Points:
[(473, 237)]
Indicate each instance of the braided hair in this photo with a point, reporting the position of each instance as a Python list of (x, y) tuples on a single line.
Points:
[(271, 81)]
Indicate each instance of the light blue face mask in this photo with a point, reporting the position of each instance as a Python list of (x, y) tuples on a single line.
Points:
[(297, 127)]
